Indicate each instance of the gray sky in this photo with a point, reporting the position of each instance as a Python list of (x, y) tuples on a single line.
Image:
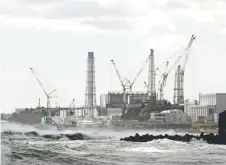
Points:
[(54, 36)]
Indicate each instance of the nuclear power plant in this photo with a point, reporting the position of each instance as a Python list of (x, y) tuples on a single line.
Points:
[(126, 104)]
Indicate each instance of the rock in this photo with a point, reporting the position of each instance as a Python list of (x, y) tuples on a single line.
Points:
[(209, 138), (55, 137), (76, 136)]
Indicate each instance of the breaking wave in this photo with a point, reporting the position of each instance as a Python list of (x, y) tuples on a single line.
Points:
[(21, 144), (5, 154), (33, 134), (14, 131)]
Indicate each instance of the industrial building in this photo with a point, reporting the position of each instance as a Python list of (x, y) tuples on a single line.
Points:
[(169, 116), (207, 109), (112, 103), (115, 99), (187, 106)]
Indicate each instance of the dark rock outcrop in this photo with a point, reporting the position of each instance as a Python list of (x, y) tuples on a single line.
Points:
[(209, 138)]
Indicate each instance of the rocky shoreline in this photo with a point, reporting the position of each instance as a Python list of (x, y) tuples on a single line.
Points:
[(209, 138)]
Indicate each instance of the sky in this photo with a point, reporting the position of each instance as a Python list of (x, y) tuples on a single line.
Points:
[(54, 37)]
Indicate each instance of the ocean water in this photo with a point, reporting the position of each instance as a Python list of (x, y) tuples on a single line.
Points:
[(23, 145)]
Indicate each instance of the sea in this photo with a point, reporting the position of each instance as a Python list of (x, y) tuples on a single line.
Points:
[(28, 145)]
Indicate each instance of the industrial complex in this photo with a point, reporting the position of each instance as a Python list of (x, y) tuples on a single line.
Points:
[(149, 109)]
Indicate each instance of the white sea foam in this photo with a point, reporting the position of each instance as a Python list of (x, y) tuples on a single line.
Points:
[(5, 154)]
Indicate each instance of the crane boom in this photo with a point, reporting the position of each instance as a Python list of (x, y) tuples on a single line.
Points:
[(138, 74), (165, 76), (187, 49), (123, 86), (39, 82), (175, 63), (47, 94)]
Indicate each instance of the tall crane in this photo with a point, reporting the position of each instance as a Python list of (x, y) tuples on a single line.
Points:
[(124, 87), (179, 80), (48, 95), (165, 74)]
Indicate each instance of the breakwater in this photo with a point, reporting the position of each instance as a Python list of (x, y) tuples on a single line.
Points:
[(209, 138)]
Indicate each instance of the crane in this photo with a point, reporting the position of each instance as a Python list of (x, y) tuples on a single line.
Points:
[(48, 95), (165, 74), (124, 87), (182, 71), (187, 51)]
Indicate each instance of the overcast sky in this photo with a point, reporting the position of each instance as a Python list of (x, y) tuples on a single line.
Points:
[(54, 37)]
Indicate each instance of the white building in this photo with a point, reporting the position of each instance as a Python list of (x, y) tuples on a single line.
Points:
[(188, 104), (200, 112), (115, 99), (209, 107), (169, 116), (103, 100)]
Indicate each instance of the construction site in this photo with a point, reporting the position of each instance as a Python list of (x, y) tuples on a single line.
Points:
[(139, 105), (123, 105)]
